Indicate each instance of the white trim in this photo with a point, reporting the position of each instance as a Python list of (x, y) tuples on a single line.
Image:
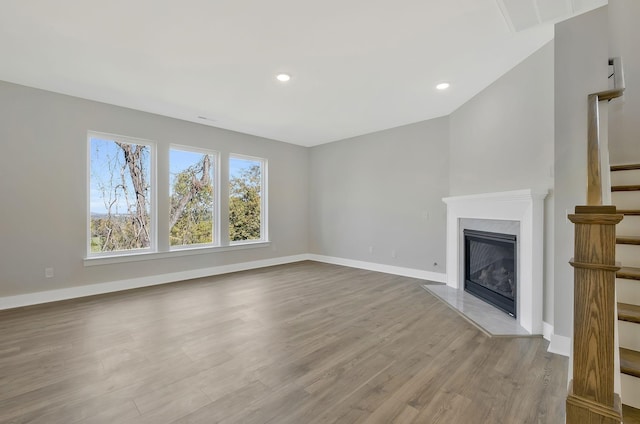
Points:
[(17, 301), (547, 330), (560, 345), (525, 206), (182, 251), (153, 182), (10, 302), (215, 185), (264, 193), (388, 269)]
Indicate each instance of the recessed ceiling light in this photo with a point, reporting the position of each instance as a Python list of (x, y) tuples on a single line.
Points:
[(283, 77), (442, 86)]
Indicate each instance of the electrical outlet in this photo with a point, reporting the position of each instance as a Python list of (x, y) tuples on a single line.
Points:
[(370, 249), (48, 272), (394, 253)]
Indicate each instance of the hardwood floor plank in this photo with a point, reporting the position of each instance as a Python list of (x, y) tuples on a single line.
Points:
[(630, 415), (97, 410), (233, 403), (300, 343)]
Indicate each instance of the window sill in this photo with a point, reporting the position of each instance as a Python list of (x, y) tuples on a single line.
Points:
[(188, 251)]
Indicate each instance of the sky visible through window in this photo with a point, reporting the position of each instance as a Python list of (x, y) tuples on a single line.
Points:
[(237, 165), (107, 158), (106, 162), (179, 160)]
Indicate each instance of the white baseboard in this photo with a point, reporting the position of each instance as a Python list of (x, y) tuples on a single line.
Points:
[(17, 301), (560, 345), (547, 331), (388, 269)]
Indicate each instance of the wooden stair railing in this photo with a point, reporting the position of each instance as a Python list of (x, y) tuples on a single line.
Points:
[(591, 397), (594, 174)]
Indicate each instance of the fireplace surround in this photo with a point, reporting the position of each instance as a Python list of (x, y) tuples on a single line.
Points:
[(525, 209)]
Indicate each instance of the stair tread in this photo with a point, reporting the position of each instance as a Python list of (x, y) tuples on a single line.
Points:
[(630, 362), (629, 272), (630, 415), (629, 359), (629, 312), (630, 187), (628, 239), (627, 167)]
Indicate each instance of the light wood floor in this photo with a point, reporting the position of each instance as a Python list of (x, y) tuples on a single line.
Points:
[(302, 343)]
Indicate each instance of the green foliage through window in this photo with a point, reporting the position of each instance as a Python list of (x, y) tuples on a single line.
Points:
[(245, 199), (122, 197), (192, 197)]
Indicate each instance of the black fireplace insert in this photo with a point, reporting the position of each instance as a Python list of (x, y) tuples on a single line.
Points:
[(490, 268)]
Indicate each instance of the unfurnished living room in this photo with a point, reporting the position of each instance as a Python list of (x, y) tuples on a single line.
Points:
[(320, 212)]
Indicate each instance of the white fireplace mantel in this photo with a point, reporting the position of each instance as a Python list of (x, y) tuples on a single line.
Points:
[(524, 206)]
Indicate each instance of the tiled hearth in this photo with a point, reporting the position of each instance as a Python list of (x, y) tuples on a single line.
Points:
[(489, 319)]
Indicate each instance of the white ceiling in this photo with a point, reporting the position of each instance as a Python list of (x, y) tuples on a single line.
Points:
[(357, 66)]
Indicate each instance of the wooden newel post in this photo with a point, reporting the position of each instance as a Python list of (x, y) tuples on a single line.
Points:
[(591, 397)]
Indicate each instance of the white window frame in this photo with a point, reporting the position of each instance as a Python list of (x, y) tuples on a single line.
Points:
[(153, 213), (216, 196), (159, 245), (264, 204)]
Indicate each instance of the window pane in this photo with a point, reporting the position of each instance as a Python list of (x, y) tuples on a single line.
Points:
[(245, 199), (191, 194), (120, 195)]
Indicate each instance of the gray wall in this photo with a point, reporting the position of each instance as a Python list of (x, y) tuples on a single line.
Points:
[(624, 125), (43, 189), (581, 57), (502, 139), (383, 190)]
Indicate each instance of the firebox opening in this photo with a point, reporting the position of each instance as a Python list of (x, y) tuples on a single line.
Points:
[(490, 268)]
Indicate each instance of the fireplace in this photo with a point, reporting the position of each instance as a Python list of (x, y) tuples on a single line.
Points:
[(490, 271), (526, 208)]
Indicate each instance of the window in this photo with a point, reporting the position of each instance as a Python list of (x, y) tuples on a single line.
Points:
[(125, 218), (120, 194), (192, 197), (247, 197)]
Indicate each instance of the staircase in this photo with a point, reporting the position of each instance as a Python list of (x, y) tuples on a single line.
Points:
[(625, 180), (601, 242)]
